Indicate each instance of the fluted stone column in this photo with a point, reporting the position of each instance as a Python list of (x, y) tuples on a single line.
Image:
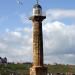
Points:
[(37, 68)]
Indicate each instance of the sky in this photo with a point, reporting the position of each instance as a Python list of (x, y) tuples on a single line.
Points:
[(58, 30)]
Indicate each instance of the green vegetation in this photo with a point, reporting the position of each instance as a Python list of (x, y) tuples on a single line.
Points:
[(14, 68), (59, 68), (24, 68)]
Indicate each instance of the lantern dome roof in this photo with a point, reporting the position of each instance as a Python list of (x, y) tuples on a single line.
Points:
[(37, 6)]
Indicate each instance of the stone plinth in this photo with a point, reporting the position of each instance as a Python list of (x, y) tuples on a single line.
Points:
[(38, 70)]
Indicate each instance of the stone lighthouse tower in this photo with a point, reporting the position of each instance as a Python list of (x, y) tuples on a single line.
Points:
[(37, 18)]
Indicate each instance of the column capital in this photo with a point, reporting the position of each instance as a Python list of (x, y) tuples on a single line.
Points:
[(37, 18)]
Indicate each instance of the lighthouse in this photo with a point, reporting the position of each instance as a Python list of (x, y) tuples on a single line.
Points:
[(37, 18)]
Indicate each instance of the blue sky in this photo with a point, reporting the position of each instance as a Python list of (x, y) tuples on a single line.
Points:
[(10, 10), (58, 30)]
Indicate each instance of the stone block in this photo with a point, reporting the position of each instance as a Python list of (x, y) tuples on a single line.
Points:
[(38, 70)]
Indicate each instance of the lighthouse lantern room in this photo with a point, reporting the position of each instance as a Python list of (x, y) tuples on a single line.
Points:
[(37, 10)]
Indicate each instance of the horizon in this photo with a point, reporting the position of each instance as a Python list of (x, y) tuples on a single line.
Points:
[(28, 62)]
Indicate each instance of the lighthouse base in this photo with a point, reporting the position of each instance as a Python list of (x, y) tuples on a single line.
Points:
[(38, 70)]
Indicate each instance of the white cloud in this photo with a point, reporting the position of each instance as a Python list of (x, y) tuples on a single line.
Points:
[(56, 14), (53, 26), (59, 40), (16, 34), (2, 45), (18, 45)]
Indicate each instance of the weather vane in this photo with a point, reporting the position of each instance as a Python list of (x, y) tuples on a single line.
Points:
[(37, 1)]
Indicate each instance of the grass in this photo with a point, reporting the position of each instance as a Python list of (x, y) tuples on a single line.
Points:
[(24, 68)]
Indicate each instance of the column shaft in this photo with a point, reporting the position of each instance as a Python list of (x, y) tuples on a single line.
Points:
[(37, 44)]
